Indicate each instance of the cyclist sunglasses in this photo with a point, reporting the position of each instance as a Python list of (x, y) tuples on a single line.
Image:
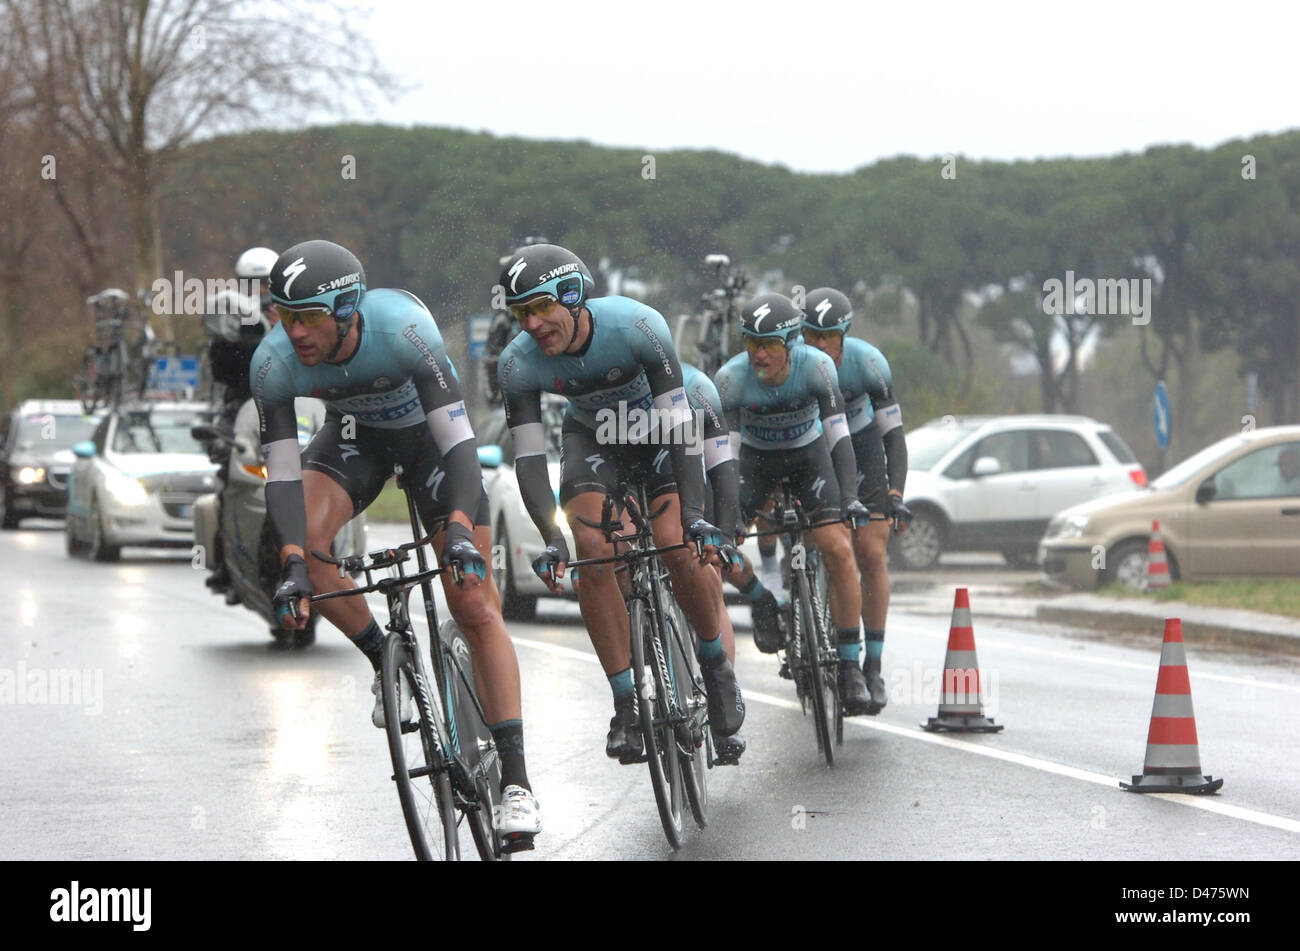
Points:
[(815, 337), (308, 318), (534, 306), (771, 345)]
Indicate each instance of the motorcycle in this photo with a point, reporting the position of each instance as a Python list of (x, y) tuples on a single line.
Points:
[(250, 549)]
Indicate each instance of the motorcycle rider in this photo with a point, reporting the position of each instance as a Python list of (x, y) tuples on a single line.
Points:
[(236, 322)]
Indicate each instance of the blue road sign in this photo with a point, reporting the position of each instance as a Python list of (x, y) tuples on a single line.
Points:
[(1160, 415), (173, 374)]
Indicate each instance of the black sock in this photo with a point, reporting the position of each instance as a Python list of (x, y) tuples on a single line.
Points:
[(509, 738), (371, 643)]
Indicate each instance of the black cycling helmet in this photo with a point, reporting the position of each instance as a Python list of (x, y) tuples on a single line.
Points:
[(827, 309), (546, 270), (771, 315), (319, 275)]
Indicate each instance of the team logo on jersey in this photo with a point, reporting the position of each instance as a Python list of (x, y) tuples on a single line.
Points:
[(347, 451), (759, 314), (596, 462), (823, 307), (382, 383), (818, 486), (659, 460), (614, 374)]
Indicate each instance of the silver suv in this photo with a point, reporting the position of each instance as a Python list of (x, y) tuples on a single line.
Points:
[(980, 483)]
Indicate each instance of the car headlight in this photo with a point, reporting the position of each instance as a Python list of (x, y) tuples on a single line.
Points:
[(126, 491), (1071, 527), (30, 475)]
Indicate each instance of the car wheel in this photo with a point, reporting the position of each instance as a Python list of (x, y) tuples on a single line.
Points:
[(1127, 566), (920, 546), (8, 517), (99, 548), (1023, 559), (514, 606)]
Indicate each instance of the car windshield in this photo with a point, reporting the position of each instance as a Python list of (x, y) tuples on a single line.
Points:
[(927, 445), (53, 430), (157, 431), (1192, 465)]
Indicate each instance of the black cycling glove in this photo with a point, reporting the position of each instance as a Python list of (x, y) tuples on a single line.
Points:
[(459, 547), (294, 585)]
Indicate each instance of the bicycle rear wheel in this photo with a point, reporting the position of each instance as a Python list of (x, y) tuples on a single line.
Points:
[(813, 671), (692, 705), (472, 742), (419, 761), (652, 686)]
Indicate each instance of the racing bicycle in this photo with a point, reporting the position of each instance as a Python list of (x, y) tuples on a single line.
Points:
[(671, 699), (445, 763)]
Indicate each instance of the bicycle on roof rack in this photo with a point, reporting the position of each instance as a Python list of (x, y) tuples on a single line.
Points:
[(114, 367), (711, 336)]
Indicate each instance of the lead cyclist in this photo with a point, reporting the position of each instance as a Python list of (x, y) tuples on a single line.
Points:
[(376, 358)]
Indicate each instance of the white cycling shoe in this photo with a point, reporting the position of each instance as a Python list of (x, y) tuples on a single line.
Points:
[(407, 701), (517, 819)]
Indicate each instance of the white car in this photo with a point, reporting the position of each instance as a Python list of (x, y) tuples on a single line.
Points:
[(135, 480), (981, 483), (515, 539)]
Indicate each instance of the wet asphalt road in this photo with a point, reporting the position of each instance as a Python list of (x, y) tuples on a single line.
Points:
[(181, 734)]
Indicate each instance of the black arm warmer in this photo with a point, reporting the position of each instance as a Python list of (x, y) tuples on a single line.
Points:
[(726, 496), (531, 472), (465, 476), (895, 457), (846, 470), (288, 512), (689, 474)]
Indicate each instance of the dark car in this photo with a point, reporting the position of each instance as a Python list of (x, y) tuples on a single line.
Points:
[(36, 441)]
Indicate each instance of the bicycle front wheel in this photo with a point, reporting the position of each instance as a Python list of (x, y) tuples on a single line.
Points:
[(419, 759), (692, 708), (652, 691), (473, 743), (813, 671)]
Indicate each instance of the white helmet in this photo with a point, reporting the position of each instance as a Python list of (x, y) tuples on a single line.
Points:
[(255, 262), (230, 314)]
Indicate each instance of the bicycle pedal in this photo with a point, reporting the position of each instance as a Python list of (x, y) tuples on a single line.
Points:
[(517, 842), (725, 761)]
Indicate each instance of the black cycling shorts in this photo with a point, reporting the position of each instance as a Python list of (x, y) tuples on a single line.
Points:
[(362, 466), (873, 479), (811, 474), (588, 466)]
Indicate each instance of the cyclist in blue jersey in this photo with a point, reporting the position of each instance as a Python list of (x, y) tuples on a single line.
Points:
[(377, 360), (876, 431), (613, 358), (774, 395), (721, 507)]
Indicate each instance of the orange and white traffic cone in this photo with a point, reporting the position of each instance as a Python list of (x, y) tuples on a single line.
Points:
[(960, 708), (1173, 762), (1157, 562)]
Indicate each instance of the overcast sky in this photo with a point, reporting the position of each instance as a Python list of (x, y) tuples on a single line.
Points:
[(825, 87)]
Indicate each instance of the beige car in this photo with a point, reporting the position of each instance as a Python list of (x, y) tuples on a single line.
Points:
[(1231, 510)]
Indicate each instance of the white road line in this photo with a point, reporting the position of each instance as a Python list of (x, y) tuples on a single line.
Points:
[(1153, 667), (1019, 759)]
